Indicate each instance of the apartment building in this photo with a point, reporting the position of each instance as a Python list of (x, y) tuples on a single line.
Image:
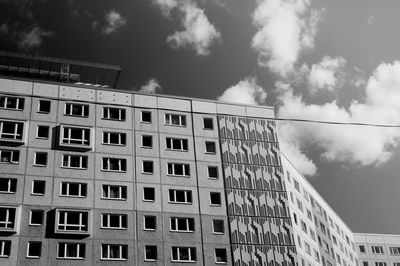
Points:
[(321, 237), (91, 175), (378, 249)]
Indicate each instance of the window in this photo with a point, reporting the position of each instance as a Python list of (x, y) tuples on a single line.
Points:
[(70, 189), (9, 156), (13, 103), (42, 132), (147, 141), (38, 187), (394, 251), (365, 263), (36, 217), (208, 123), (150, 223), (183, 254), (220, 255), (396, 263), (149, 194), (150, 253), (114, 252), (10, 130), (309, 215), (5, 247), (40, 159), (7, 218), (179, 224), (71, 251), (114, 221), (145, 116), (380, 263), (297, 185), (303, 226), (111, 113), (210, 147), (175, 120), (176, 144), (75, 109), (114, 138), (114, 164), (178, 169), (44, 106), (377, 249), (307, 247), (212, 172), (215, 198), (8, 185), (180, 196), (288, 176), (147, 167), (72, 221), (218, 226), (299, 205), (114, 192), (75, 136), (75, 161), (34, 249)]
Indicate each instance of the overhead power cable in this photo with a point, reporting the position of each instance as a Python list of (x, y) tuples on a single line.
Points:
[(335, 122)]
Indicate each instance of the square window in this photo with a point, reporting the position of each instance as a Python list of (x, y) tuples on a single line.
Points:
[(213, 172), (148, 167), (215, 198), (145, 116), (220, 255), (210, 147), (34, 249), (42, 132), (208, 123), (44, 106), (36, 217), (150, 223), (150, 253), (38, 187), (147, 141), (218, 226), (40, 159), (149, 194)]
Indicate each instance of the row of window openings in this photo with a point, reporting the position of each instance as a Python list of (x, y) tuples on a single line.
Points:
[(110, 252), (380, 263), (110, 113), (395, 251)]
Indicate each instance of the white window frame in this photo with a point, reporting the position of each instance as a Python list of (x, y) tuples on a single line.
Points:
[(71, 106), (30, 218), (152, 167), (81, 226), (12, 155), (377, 250), (208, 172), (169, 120), (33, 186), (170, 144), (179, 250), (106, 138), (37, 132), (106, 219), (154, 193), (107, 116), (65, 246), (120, 251), (9, 219), (394, 251), (141, 117), (146, 147), (17, 133), (226, 256), (208, 118), (106, 194), (19, 104), (66, 138), (220, 199), (186, 193), (145, 254), (82, 187), (41, 111), (215, 147), (4, 249), (82, 160), (28, 246), (35, 163), (144, 223), (213, 227), (10, 185), (106, 163), (185, 169), (174, 222)]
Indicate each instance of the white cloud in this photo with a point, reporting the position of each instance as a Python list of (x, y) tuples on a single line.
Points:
[(348, 144), (327, 74), (33, 38), (285, 29), (152, 86), (247, 91), (198, 34), (370, 20), (114, 21)]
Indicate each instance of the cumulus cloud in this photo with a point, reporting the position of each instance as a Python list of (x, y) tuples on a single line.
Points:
[(285, 29), (198, 33), (348, 144), (293, 152), (33, 38), (247, 91), (327, 74), (113, 22), (152, 86)]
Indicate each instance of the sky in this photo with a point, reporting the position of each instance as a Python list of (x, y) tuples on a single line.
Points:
[(316, 60)]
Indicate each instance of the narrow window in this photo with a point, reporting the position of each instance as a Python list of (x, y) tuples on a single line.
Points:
[(145, 116), (44, 106), (7, 218), (5, 248), (40, 159), (208, 123), (150, 222), (42, 132), (149, 194), (38, 187)]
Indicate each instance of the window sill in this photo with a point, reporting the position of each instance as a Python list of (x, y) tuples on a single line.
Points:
[(73, 168), (147, 173), (113, 171), (184, 203), (144, 200), (116, 199), (150, 230), (72, 196), (39, 165), (42, 138), (33, 257), (183, 261), (36, 225), (113, 144), (6, 192), (113, 228), (150, 260), (37, 194), (62, 258), (113, 119), (113, 259)]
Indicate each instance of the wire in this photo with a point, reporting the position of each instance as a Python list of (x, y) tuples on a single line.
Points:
[(334, 122)]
